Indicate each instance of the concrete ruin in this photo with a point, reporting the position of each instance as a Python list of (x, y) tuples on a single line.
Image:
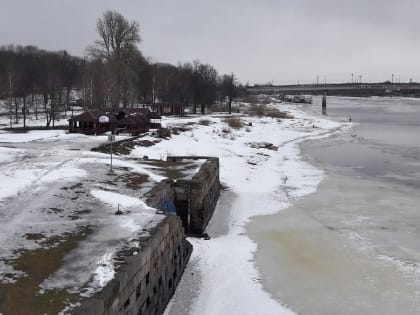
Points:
[(146, 281), (195, 199)]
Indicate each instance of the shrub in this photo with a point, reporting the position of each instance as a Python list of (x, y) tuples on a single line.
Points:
[(204, 122), (250, 99), (164, 133), (234, 122), (275, 113), (261, 110), (257, 110)]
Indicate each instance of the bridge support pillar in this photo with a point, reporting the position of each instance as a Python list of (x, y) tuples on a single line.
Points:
[(324, 104)]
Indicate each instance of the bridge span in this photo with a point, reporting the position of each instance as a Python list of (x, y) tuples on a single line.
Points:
[(341, 89)]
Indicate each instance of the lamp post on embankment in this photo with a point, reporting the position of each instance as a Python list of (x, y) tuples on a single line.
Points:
[(111, 139)]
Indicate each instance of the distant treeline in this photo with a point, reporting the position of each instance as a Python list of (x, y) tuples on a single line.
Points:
[(114, 73)]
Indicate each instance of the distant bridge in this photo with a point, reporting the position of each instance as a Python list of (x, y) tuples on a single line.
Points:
[(344, 89)]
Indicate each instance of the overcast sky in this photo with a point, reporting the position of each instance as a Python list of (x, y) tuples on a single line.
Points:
[(259, 40)]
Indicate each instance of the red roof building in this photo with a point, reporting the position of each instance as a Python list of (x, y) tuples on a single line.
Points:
[(128, 120)]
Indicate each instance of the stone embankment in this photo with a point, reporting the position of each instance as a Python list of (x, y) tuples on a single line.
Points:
[(145, 282), (146, 279), (195, 199)]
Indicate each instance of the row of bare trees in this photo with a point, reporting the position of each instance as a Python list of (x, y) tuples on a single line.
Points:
[(114, 73), (35, 78)]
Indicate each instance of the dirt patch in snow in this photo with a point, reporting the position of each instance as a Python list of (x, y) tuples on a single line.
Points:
[(24, 295), (263, 145), (124, 147)]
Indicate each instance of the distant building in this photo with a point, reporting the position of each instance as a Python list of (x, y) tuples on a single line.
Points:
[(123, 120), (167, 109)]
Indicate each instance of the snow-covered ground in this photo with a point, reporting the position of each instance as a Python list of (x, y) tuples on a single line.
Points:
[(54, 188), (263, 181), (37, 166), (7, 120)]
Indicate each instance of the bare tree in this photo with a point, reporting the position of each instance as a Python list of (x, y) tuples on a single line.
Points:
[(204, 85), (116, 46), (117, 35), (229, 88)]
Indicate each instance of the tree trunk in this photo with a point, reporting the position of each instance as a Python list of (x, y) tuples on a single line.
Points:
[(53, 109), (230, 104), (45, 102), (49, 112), (60, 100), (24, 112), (16, 112), (36, 108), (45, 108), (67, 101)]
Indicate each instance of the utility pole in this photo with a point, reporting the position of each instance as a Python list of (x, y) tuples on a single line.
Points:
[(352, 75), (392, 81)]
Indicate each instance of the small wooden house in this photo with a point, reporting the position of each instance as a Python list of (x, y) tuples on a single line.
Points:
[(128, 120)]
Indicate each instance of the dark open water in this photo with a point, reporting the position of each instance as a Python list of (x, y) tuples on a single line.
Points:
[(384, 144)]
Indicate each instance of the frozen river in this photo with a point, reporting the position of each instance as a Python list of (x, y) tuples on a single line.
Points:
[(353, 247)]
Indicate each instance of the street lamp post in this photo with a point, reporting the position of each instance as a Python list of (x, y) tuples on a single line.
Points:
[(111, 138)]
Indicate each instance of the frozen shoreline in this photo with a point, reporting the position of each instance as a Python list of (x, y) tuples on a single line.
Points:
[(347, 248), (261, 180), (228, 280), (316, 267)]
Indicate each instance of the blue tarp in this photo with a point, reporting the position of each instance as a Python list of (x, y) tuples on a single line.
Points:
[(166, 204)]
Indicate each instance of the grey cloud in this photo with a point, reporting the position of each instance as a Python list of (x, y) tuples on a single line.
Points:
[(266, 40)]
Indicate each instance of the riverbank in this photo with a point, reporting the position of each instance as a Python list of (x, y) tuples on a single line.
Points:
[(352, 246), (259, 179)]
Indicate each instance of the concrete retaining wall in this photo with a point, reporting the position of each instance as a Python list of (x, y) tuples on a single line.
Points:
[(195, 199), (145, 282)]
